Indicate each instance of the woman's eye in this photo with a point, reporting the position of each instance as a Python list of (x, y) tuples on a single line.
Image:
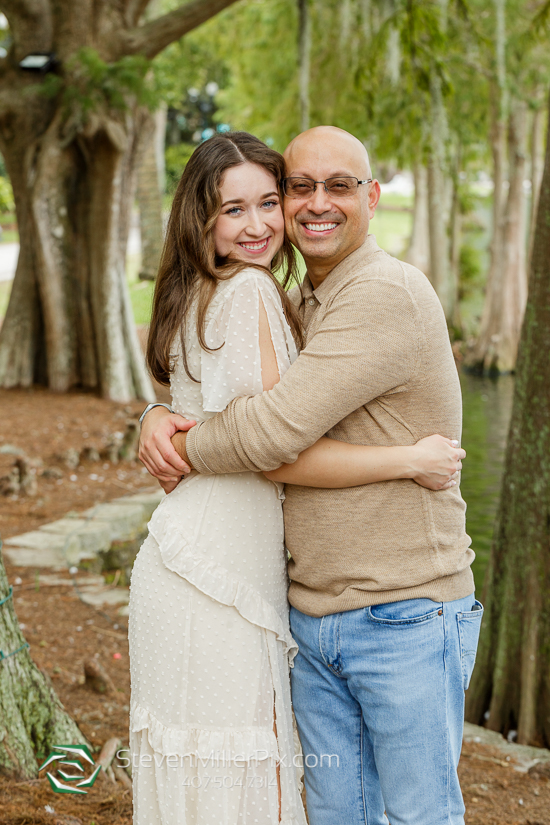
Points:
[(271, 204), (235, 210)]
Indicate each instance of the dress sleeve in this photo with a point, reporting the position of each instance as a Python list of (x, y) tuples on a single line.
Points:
[(233, 368)]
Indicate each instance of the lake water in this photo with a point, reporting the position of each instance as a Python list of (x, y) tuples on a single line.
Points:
[(487, 409)]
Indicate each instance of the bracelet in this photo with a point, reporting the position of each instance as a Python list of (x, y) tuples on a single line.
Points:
[(150, 407)]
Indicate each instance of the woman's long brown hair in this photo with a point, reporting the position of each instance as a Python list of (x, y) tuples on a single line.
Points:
[(189, 265)]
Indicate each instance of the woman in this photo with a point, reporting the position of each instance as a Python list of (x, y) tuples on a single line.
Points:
[(211, 724)]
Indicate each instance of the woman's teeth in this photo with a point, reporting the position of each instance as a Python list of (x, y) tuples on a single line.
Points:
[(255, 247), (320, 227)]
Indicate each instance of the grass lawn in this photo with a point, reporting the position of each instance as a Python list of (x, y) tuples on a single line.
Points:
[(8, 227), (5, 289), (141, 292)]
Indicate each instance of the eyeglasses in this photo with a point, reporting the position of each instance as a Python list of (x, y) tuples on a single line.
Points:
[(340, 187)]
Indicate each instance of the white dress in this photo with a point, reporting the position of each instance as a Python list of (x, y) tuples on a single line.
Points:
[(210, 644)]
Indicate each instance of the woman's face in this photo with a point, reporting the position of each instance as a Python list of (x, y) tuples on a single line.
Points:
[(250, 226)]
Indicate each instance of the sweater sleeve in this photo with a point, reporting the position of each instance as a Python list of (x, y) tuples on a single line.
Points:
[(367, 345)]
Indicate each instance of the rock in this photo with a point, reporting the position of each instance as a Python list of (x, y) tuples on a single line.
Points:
[(111, 452), (11, 449), (108, 753), (67, 820), (98, 680), (28, 484), (149, 500), (540, 771), (129, 447), (41, 549), (9, 485), (70, 458), (90, 454), (97, 597), (127, 520), (93, 536), (51, 472), (123, 777)]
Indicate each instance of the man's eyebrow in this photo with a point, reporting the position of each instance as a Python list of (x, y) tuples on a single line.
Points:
[(241, 200)]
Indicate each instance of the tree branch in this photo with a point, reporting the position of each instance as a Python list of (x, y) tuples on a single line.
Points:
[(134, 10), (153, 37)]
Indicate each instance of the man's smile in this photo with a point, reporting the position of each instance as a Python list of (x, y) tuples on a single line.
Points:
[(318, 228)]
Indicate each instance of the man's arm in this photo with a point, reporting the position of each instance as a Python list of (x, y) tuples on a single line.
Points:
[(366, 346)]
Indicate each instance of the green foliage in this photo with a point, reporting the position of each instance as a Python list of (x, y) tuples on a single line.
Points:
[(88, 84), (176, 158), (7, 203), (469, 267), (141, 296)]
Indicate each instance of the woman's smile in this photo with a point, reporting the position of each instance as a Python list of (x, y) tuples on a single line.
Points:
[(255, 247)]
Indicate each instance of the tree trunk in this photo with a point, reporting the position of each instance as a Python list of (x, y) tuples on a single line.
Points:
[(149, 200), (33, 719), (72, 160), (511, 680), (482, 358), (418, 253), (537, 166), (456, 241), (485, 341), (69, 320), (304, 52), (496, 349)]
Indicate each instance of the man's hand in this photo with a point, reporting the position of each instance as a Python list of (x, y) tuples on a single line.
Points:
[(156, 450), (437, 462)]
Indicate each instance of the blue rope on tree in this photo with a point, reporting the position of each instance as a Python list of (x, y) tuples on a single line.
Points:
[(7, 655), (10, 594)]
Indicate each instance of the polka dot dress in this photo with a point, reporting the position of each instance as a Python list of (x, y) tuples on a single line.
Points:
[(211, 731)]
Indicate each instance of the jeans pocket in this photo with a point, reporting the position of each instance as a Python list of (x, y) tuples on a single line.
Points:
[(411, 611), (469, 625)]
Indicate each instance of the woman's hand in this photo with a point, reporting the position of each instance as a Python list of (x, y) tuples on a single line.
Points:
[(168, 486), (436, 462)]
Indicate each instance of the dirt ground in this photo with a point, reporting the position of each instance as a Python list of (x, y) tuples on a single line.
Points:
[(64, 632), (46, 427)]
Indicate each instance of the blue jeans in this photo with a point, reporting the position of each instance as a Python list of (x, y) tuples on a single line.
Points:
[(378, 695)]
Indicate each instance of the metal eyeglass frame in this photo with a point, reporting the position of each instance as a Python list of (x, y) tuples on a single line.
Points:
[(324, 182)]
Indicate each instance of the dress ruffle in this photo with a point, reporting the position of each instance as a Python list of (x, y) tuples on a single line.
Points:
[(214, 580), (218, 744)]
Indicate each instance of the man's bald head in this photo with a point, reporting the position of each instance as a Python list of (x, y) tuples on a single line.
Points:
[(329, 140), (327, 228)]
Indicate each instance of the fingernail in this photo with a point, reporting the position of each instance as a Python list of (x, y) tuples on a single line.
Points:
[(453, 483), (454, 443)]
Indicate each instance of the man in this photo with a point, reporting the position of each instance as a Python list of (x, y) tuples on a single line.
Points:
[(381, 593)]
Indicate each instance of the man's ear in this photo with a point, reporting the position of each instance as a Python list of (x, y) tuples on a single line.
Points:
[(374, 197)]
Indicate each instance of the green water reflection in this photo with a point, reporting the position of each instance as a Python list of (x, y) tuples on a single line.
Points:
[(487, 408)]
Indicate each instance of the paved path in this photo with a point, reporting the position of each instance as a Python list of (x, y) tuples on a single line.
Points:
[(9, 253)]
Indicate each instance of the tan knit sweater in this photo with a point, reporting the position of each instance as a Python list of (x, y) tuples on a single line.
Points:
[(377, 368)]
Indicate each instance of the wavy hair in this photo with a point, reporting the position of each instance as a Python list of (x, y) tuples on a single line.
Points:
[(189, 265)]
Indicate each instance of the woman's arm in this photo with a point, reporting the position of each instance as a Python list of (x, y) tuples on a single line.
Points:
[(433, 462)]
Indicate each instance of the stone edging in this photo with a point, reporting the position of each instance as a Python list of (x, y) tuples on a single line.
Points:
[(104, 537), (524, 756)]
